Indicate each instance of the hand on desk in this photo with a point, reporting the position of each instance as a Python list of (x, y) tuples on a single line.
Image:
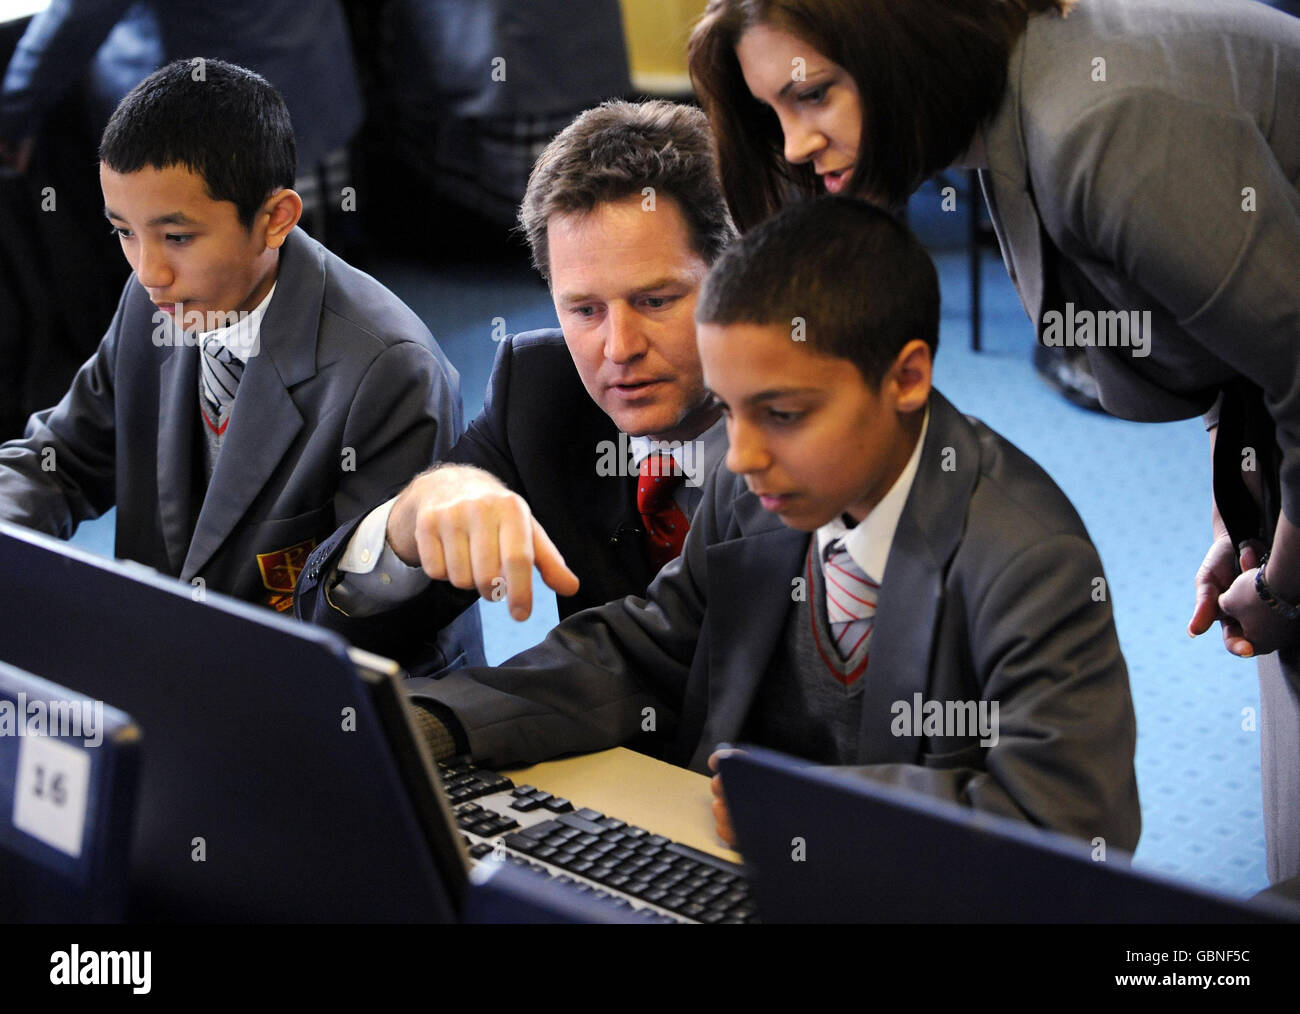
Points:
[(463, 525)]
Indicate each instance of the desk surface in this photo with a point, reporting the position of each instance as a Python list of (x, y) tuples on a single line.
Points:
[(622, 783)]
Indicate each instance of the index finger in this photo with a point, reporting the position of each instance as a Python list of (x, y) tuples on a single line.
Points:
[(516, 547)]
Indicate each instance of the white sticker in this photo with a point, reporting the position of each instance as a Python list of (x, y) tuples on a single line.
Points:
[(50, 792)]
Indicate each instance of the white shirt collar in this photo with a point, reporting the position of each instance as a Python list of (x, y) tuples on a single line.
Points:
[(869, 541), (695, 458), (243, 338)]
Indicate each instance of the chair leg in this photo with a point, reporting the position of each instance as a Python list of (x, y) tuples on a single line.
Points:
[(973, 248)]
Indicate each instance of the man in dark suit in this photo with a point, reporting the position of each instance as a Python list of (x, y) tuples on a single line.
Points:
[(252, 388), (624, 215), (874, 581)]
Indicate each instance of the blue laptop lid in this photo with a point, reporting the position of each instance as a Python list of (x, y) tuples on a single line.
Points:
[(829, 847)]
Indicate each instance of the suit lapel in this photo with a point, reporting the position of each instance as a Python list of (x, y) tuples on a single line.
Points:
[(264, 421), (750, 596), (1006, 187), (178, 391), (928, 533)]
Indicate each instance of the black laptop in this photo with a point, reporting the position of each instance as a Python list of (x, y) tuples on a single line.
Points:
[(824, 846)]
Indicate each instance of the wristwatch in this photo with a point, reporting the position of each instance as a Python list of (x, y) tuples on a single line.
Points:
[(1288, 612)]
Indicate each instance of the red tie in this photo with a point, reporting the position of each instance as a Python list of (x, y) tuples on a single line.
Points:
[(665, 524)]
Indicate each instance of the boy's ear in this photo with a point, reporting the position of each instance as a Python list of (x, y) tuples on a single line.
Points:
[(910, 376), (284, 208)]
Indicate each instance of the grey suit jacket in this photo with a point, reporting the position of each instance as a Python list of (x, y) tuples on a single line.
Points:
[(347, 396), (1173, 185), (991, 593)]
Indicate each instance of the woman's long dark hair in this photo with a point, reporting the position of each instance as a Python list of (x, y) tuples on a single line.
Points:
[(929, 72)]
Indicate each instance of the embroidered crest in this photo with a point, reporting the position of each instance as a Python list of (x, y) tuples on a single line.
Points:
[(280, 572)]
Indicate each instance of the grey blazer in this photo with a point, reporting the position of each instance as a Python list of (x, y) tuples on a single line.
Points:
[(347, 397), (990, 594), (1173, 185)]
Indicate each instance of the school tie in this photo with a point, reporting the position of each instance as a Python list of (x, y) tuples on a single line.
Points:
[(665, 524), (850, 599), (220, 372)]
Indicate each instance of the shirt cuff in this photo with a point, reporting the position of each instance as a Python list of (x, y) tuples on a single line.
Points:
[(370, 577)]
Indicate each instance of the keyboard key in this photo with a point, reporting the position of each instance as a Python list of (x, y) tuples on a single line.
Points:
[(636, 832), (580, 824), (711, 861), (480, 850), (674, 902), (523, 804), (657, 839), (614, 837), (712, 916), (523, 790), (545, 852), (586, 813), (540, 796), (586, 839), (582, 867), (521, 843), (692, 911), (542, 830), (612, 824)]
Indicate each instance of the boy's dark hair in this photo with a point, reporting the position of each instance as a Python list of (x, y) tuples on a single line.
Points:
[(858, 279), (220, 121), (616, 150), (928, 72)]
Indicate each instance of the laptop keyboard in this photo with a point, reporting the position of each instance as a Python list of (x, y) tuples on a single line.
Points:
[(662, 880)]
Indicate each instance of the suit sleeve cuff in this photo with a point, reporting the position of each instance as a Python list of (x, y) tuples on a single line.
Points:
[(370, 577)]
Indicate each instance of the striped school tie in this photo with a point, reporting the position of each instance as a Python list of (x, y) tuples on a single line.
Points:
[(220, 372), (850, 600)]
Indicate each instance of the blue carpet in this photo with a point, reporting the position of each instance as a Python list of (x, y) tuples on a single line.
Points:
[(1142, 490)]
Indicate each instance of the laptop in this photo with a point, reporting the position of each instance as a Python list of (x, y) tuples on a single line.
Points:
[(68, 769), (825, 846), (280, 778)]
